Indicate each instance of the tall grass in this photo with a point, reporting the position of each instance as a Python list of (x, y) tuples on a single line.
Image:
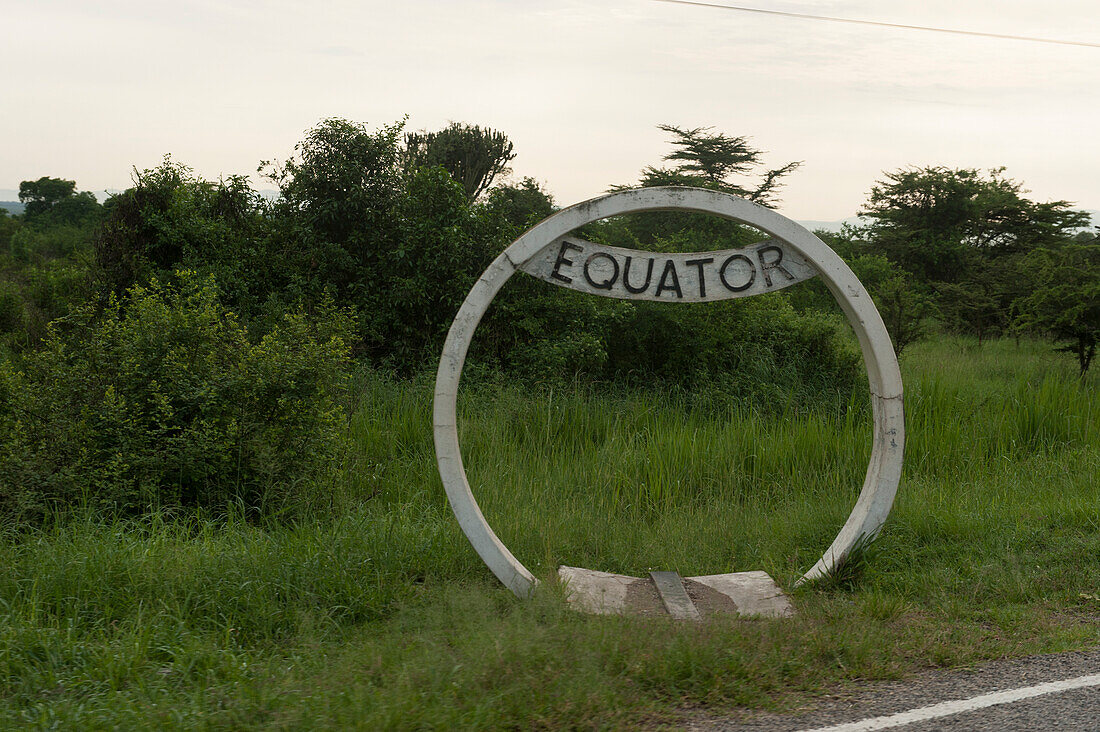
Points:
[(382, 616), (628, 482)]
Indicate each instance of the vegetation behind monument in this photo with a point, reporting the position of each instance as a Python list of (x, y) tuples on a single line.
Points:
[(373, 241)]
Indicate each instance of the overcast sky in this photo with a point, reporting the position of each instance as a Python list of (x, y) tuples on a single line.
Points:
[(93, 89)]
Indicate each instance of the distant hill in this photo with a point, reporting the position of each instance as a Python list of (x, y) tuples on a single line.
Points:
[(856, 221), (9, 201), (832, 225)]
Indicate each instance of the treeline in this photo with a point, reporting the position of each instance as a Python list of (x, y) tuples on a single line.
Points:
[(188, 343), (394, 228), (970, 254)]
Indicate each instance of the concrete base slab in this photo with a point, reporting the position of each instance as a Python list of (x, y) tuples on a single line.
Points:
[(740, 593), (604, 593), (754, 593)]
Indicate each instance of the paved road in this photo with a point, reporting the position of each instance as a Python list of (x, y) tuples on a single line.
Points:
[(1073, 709)]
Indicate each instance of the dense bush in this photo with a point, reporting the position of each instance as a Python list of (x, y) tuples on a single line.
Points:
[(1065, 305), (8, 227), (162, 401), (401, 246), (37, 294), (755, 348), (129, 382), (44, 263), (170, 219), (538, 333)]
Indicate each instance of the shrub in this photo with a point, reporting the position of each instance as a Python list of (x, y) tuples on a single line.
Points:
[(170, 219), (419, 285), (545, 334), (161, 401), (759, 351), (1066, 301), (402, 249), (12, 315), (38, 293)]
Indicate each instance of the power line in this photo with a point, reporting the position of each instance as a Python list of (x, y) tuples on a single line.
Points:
[(807, 16)]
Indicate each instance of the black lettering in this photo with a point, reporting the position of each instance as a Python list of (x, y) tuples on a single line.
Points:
[(766, 267), (626, 277), (670, 269), (605, 285), (726, 282), (565, 246), (698, 264)]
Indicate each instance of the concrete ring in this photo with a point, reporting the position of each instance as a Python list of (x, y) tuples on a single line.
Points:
[(884, 468)]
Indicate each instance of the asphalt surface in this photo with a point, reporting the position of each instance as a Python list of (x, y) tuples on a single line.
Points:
[(1076, 709)]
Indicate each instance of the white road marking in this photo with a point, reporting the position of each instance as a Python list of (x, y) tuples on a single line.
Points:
[(961, 705)]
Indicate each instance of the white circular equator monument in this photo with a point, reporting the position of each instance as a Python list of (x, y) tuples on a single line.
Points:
[(793, 254)]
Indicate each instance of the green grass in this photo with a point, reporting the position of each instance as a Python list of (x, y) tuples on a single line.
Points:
[(381, 616)]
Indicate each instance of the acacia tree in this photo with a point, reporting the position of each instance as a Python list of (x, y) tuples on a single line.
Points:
[(1065, 303), (703, 159), (474, 156), (709, 159), (935, 222)]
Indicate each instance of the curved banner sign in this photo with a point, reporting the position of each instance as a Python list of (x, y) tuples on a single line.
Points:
[(630, 274)]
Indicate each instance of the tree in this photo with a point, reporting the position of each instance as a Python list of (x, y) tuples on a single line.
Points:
[(39, 196), (708, 160), (704, 159), (55, 201), (473, 156), (402, 248), (905, 310), (936, 221), (521, 205), (982, 303), (343, 182), (337, 216), (1065, 303)]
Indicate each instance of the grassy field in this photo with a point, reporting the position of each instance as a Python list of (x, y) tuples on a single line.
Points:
[(382, 617)]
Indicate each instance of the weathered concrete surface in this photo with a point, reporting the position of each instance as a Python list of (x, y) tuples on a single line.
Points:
[(749, 594), (755, 593), (604, 593)]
